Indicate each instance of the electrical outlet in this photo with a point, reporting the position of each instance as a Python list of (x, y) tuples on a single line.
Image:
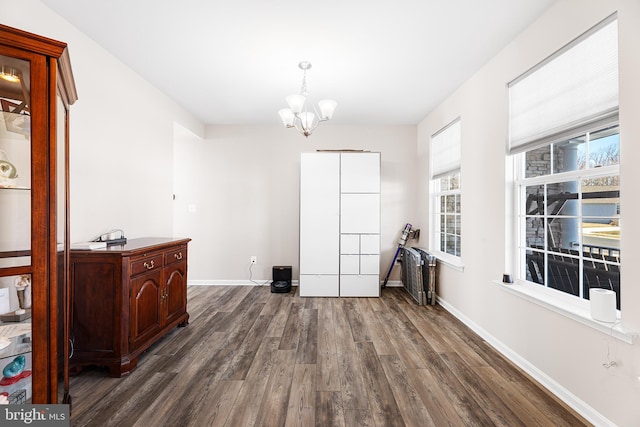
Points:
[(254, 260)]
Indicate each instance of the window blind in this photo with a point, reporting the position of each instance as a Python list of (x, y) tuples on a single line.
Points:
[(569, 91), (445, 150)]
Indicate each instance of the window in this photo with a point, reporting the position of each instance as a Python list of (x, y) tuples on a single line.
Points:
[(446, 193), (564, 138), (569, 214), (447, 197)]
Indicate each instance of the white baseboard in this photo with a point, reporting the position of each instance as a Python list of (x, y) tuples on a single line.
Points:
[(233, 282), (390, 283), (394, 284), (589, 413)]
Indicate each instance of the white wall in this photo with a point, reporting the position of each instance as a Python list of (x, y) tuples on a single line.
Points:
[(121, 135), (558, 350), (244, 184)]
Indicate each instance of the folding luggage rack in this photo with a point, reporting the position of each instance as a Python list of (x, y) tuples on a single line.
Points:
[(419, 275)]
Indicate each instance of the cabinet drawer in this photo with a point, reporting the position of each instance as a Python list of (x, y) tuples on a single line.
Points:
[(319, 285), (151, 262), (360, 286), (176, 255)]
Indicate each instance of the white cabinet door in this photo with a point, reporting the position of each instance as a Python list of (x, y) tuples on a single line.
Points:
[(349, 264), (360, 286), (350, 244), (360, 172), (319, 213), (318, 285), (370, 244), (370, 264), (360, 213)]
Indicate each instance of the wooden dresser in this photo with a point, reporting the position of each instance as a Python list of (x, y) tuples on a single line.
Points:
[(125, 298)]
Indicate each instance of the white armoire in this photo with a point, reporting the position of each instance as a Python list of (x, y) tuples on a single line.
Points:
[(340, 224)]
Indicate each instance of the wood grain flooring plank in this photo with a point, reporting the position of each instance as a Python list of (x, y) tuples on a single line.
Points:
[(204, 299), (273, 301), (507, 391), (413, 410), (395, 326), (377, 331), (115, 408), (279, 321), (193, 383), (440, 408), (383, 404), (328, 369), (228, 301), (246, 352), (273, 409), (291, 333), (359, 328), (253, 391), (493, 406), (250, 307), (358, 417), (216, 405), (330, 410), (307, 348), (556, 412), (460, 340), (352, 380), (467, 408), (301, 409)]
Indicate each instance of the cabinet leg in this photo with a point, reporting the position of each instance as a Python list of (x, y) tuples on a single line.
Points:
[(184, 323)]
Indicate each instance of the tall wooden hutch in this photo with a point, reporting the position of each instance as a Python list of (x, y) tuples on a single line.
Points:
[(36, 90)]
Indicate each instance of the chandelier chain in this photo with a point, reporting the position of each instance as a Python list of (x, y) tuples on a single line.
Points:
[(303, 88)]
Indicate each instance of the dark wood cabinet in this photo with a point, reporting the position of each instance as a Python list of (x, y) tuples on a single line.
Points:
[(36, 92), (125, 298)]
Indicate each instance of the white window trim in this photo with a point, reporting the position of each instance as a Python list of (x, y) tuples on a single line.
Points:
[(570, 306), (446, 258), (451, 134)]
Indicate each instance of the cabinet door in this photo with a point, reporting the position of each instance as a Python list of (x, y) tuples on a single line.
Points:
[(318, 285), (175, 292), (360, 213), (146, 313), (369, 264), (360, 173), (319, 213), (370, 244), (349, 264), (350, 244), (360, 286)]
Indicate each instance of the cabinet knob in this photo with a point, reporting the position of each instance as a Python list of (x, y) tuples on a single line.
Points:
[(178, 256), (149, 265)]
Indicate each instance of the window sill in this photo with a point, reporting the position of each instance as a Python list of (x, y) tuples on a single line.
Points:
[(567, 306), (448, 260)]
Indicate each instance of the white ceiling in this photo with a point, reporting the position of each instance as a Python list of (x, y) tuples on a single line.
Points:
[(234, 61)]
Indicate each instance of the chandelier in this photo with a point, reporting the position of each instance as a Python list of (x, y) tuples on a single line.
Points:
[(297, 116)]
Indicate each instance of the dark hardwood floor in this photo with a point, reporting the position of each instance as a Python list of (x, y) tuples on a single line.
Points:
[(250, 357)]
